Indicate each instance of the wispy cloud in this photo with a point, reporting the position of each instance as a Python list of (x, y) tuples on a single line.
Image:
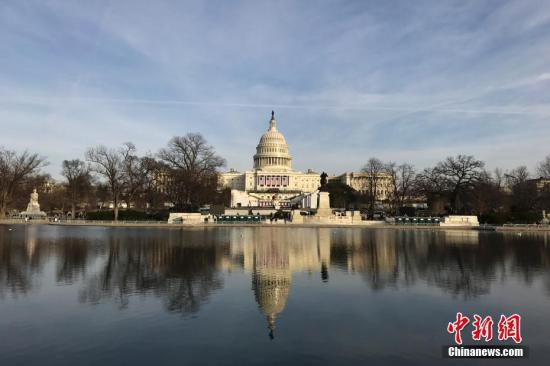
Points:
[(401, 80)]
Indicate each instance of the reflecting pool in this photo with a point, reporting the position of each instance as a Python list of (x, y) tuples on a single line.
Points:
[(261, 295)]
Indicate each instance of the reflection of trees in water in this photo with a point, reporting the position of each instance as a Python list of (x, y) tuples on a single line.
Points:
[(71, 258), (457, 270), (459, 262), (183, 276), (182, 267), (368, 253), (25, 250), (530, 256), (21, 259), (15, 270), (189, 276)]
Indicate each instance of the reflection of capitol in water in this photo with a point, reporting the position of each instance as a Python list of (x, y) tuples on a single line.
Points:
[(186, 268), (272, 255)]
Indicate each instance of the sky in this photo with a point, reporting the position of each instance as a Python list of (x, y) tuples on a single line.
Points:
[(404, 81)]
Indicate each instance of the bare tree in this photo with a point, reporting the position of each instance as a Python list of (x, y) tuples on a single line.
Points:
[(153, 184), (460, 172), (14, 169), (77, 173), (432, 184), (374, 168), (391, 168), (487, 196), (499, 178), (543, 168), (192, 164), (430, 180), (101, 195), (134, 174), (523, 191), (516, 176), (109, 164), (402, 180)]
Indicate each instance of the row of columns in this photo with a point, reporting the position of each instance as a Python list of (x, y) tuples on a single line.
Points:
[(271, 161)]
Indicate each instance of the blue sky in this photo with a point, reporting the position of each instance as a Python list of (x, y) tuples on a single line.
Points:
[(401, 80)]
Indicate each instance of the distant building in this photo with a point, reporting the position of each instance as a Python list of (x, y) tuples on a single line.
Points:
[(542, 184), (361, 182), (161, 180), (49, 186)]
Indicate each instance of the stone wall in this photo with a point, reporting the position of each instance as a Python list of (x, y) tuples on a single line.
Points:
[(187, 218), (459, 220)]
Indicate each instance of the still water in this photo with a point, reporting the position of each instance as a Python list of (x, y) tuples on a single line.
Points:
[(211, 296)]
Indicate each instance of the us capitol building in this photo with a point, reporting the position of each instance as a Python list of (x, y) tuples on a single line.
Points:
[(272, 182)]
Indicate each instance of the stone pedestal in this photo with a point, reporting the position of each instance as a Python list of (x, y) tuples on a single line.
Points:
[(296, 217), (459, 220), (323, 204)]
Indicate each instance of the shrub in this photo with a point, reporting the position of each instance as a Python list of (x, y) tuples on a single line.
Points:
[(128, 215)]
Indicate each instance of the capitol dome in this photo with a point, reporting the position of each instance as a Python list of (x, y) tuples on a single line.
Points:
[(272, 150), (271, 288)]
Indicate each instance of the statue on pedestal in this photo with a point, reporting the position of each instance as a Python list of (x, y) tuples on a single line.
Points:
[(33, 208), (33, 205), (323, 187)]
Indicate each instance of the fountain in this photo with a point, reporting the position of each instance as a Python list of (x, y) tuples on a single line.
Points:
[(33, 209)]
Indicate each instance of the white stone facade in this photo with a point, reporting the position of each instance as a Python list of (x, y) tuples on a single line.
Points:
[(458, 220), (360, 181)]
